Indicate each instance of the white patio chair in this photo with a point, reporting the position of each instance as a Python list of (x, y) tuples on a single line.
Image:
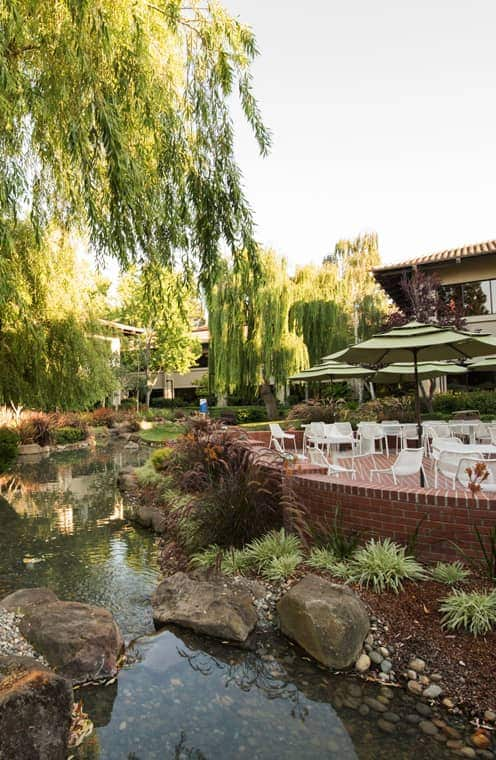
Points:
[(482, 434), (392, 428), (278, 434), (447, 463), (313, 435), (488, 485), (492, 432), (409, 433), (408, 462), (369, 433), (319, 459)]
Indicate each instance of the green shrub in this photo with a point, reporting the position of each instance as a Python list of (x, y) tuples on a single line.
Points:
[(67, 435), (383, 565), (455, 401), (474, 611), (9, 443), (315, 411), (273, 545), (450, 573), (242, 414), (322, 559), (160, 457), (146, 475), (280, 568), (338, 542)]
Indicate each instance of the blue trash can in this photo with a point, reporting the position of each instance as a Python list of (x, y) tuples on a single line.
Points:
[(203, 406)]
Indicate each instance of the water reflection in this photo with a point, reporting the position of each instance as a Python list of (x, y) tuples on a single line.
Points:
[(62, 526)]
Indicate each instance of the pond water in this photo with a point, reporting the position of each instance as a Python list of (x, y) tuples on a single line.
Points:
[(180, 695)]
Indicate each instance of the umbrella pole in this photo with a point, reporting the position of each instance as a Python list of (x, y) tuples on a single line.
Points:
[(417, 412)]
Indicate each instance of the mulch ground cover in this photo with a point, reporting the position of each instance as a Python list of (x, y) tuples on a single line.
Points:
[(467, 663)]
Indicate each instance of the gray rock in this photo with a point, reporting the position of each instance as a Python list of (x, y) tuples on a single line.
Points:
[(35, 711), (423, 709), (329, 621), (376, 657), (363, 663), (26, 598), (432, 691), (215, 607), (386, 666), (375, 705), (81, 641), (428, 728), (414, 687), (417, 665), (386, 726)]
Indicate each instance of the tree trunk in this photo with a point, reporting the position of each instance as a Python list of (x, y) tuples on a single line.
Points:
[(269, 400)]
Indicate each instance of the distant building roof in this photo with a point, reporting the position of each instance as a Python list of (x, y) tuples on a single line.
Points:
[(452, 254), (126, 329)]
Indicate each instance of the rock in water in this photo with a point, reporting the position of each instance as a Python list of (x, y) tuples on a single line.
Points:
[(25, 598), (81, 641), (35, 711), (215, 607), (329, 621)]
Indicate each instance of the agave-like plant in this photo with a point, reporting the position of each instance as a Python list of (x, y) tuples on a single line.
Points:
[(276, 543), (383, 565), (449, 573), (280, 568), (474, 611)]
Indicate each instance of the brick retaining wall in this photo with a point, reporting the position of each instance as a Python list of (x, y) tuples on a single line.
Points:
[(394, 511)]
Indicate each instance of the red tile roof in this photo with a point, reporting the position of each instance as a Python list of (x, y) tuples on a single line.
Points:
[(453, 254)]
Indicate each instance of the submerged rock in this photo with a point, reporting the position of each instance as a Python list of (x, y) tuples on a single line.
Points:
[(81, 641), (35, 711), (329, 621), (215, 607), (26, 598)]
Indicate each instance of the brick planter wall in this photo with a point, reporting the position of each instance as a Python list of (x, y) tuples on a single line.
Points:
[(395, 512)]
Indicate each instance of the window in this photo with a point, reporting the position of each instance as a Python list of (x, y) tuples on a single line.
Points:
[(477, 298)]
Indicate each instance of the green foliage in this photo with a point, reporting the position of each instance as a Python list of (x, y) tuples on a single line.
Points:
[(9, 443), (244, 351), (315, 411), (143, 157), (473, 611), (231, 561), (447, 403), (273, 545), (242, 414), (383, 565), (337, 541), (53, 352), (280, 568), (67, 435), (146, 475), (322, 558), (160, 457), (450, 573), (387, 408), (206, 557), (160, 301)]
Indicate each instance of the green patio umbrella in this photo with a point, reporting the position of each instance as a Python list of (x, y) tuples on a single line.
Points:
[(403, 372), (419, 342), (483, 365), (331, 371)]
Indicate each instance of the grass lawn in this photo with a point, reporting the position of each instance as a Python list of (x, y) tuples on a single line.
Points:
[(160, 433)]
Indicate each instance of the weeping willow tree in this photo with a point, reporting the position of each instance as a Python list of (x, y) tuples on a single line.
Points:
[(251, 344), (53, 353), (340, 300), (115, 116)]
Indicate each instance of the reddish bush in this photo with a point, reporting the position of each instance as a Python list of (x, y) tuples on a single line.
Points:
[(103, 417)]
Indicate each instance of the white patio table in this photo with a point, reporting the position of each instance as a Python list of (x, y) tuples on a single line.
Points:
[(465, 427), (486, 449)]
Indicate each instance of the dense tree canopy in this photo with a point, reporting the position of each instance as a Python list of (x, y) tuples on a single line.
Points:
[(251, 343), (328, 299), (53, 352), (162, 302), (114, 115)]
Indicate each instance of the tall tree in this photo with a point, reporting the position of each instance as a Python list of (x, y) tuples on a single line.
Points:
[(53, 352), (162, 302), (114, 115), (339, 301), (251, 344)]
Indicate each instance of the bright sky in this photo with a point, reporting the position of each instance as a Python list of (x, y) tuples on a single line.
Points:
[(383, 115)]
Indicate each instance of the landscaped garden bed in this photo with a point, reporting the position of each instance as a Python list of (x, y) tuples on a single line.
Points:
[(222, 508)]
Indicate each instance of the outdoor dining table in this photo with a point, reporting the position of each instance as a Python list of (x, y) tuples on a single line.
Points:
[(465, 427), (486, 449)]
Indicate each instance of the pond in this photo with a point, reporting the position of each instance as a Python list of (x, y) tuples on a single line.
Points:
[(180, 695)]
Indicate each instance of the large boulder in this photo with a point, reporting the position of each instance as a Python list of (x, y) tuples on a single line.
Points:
[(329, 621), (215, 606), (35, 711), (26, 598), (80, 641)]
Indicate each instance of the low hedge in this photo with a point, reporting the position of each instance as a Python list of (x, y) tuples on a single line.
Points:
[(67, 435), (9, 443), (455, 401)]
